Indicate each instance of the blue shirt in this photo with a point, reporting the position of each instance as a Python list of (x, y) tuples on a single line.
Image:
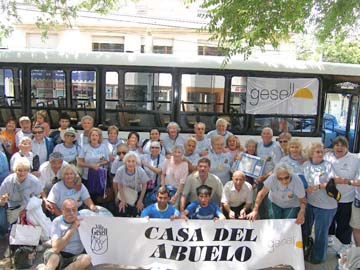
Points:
[(197, 212), (152, 211), (4, 167)]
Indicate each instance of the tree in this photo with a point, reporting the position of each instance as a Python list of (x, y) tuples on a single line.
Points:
[(240, 25), (53, 12)]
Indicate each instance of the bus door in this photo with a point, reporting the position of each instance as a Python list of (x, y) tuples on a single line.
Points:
[(342, 109)]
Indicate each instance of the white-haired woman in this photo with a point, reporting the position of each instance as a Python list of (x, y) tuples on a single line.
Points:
[(286, 195), (221, 129), (321, 208), (173, 137), (69, 187), (17, 189), (174, 173), (131, 182)]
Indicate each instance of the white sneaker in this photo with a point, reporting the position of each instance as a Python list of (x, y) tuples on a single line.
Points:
[(41, 266), (343, 248), (331, 241)]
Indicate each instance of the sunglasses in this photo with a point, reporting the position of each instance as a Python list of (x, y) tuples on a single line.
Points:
[(155, 147), (70, 135), (283, 141), (121, 153), (37, 132)]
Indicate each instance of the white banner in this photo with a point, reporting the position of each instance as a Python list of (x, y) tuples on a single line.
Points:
[(282, 96), (192, 245)]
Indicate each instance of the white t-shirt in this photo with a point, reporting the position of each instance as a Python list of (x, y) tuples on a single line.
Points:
[(235, 198), (272, 153), (128, 180), (285, 197), (346, 167)]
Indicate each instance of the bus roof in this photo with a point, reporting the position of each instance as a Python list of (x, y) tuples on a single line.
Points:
[(161, 60)]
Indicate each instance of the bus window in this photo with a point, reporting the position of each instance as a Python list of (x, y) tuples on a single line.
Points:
[(146, 100), (202, 93), (238, 94), (111, 89), (285, 124), (10, 106), (202, 100), (47, 89)]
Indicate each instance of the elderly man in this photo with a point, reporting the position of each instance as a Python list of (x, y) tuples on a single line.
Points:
[(50, 171), (67, 250), (203, 145), (237, 197), (18, 188), (42, 145), (221, 129), (198, 178)]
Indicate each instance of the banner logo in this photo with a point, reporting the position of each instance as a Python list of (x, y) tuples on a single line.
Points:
[(99, 239)]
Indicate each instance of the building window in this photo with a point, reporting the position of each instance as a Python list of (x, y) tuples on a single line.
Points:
[(163, 49), (107, 44), (107, 47), (208, 50), (35, 41)]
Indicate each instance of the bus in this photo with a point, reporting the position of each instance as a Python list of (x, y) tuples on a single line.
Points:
[(137, 92)]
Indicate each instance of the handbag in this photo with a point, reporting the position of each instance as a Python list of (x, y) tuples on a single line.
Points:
[(131, 195), (97, 182), (25, 235)]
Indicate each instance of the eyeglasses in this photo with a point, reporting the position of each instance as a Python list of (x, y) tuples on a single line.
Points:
[(70, 135), (121, 153), (155, 147), (201, 128), (283, 141), (37, 132), (284, 178)]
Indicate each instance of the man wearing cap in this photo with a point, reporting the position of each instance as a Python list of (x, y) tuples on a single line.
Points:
[(50, 171), (25, 131), (68, 148)]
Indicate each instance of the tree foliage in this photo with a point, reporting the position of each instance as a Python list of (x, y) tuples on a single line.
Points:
[(341, 52), (52, 12), (240, 25)]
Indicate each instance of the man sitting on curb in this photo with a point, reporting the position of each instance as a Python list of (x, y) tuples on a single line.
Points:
[(67, 251)]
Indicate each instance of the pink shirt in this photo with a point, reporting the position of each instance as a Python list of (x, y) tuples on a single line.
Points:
[(175, 174)]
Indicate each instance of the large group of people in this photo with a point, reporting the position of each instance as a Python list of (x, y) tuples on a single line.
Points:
[(174, 175)]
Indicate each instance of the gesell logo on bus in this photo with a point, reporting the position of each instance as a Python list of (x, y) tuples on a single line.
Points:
[(282, 96)]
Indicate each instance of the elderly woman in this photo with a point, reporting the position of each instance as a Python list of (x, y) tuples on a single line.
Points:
[(94, 154), (173, 137), (221, 161), (112, 142), (69, 187), (174, 173), (221, 129), (295, 159), (121, 150), (321, 208), (154, 137), (68, 148), (87, 123), (152, 164), (346, 166), (17, 189), (190, 155), (286, 195), (133, 142), (283, 140), (131, 182)]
